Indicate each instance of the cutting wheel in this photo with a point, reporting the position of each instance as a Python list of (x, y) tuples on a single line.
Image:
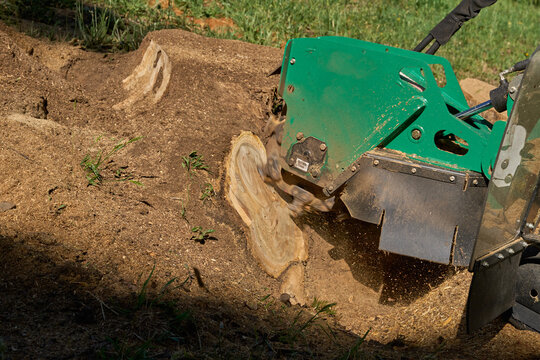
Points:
[(275, 240)]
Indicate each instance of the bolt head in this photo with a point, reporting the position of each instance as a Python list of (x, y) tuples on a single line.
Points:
[(315, 172), (330, 188), (499, 256), (485, 263), (452, 178), (510, 251), (530, 225), (293, 60), (413, 170), (416, 134), (375, 162), (299, 136), (323, 147), (353, 168), (512, 89), (475, 182), (291, 162)]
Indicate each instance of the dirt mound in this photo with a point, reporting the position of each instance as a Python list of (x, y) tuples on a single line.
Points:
[(72, 255)]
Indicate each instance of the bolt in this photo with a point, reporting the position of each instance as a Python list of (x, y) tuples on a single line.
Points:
[(475, 182), (330, 188), (510, 251), (508, 179), (375, 162), (416, 134), (293, 60), (291, 162), (413, 170), (299, 136), (530, 225), (353, 169), (452, 178), (290, 88), (499, 256), (322, 146), (523, 243), (513, 89), (504, 164), (315, 172), (485, 263)]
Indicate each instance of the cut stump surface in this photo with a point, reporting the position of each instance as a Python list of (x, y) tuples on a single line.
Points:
[(275, 240)]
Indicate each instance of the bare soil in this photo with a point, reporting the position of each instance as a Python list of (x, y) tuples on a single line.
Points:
[(75, 258)]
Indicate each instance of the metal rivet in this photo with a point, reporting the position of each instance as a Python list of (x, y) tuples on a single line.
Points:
[(413, 170), (504, 164), (530, 225), (512, 89), (322, 146), (475, 182), (416, 134), (508, 179), (375, 162), (330, 188), (293, 60), (353, 169), (291, 162), (523, 243), (510, 251), (452, 178), (299, 136), (499, 256), (485, 263)]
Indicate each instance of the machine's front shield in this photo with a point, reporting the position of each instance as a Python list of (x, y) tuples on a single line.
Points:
[(510, 214)]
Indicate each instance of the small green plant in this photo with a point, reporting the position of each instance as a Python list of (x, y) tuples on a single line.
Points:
[(142, 297), (297, 329), (207, 192), (94, 165), (200, 234), (123, 350), (3, 349), (193, 162), (60, 208), (318, 304), (354, 352)]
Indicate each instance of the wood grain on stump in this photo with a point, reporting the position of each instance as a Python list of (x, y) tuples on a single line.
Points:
[(274, 239)]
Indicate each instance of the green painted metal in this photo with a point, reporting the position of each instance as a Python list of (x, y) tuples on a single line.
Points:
[(355, 96)]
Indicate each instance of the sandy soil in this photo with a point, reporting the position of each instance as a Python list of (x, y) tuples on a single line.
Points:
[(74, 258)]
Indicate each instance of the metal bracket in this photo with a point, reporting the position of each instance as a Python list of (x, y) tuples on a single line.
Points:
[(499, 255), (386, 160)]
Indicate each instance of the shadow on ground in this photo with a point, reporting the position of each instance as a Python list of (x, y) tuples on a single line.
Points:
[(79, 318)]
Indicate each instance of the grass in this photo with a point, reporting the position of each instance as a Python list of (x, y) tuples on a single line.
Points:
[(354, 352), (159, 324), (501, 34), (297, 328), (95, 165)]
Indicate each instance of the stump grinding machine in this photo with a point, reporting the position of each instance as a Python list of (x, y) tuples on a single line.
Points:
[(392, 137)]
